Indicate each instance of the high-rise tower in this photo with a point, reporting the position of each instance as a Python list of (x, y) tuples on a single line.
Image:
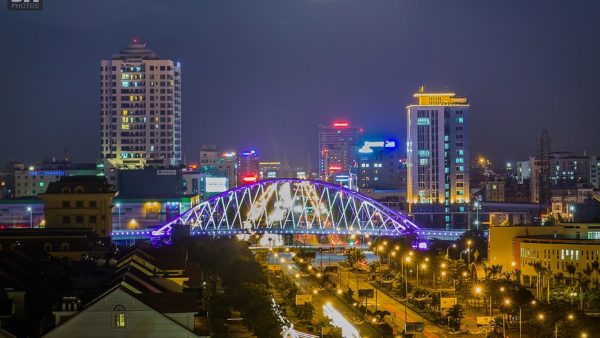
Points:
[(437, 153), (338, 143), (140, 104)]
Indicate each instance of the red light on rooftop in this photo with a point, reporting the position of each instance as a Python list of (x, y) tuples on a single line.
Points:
[(340, 124), (135, 40), (249, 178)]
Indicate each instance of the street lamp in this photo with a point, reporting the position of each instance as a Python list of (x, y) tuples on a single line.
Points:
[(572, 209), (118, 205), (479, 290), (30, 210), (469, 242), (448, 250)]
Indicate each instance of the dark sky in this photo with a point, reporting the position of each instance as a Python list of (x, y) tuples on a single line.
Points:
[(265, 73)]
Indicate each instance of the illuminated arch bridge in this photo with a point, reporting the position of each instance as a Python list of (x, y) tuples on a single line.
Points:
[(291, 206)]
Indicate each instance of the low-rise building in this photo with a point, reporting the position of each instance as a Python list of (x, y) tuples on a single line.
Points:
[(79, 202), (554, 247)]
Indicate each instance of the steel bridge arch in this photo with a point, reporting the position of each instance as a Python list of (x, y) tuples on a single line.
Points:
[(292, 206)]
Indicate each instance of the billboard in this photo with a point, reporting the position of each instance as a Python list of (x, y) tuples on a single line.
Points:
[(216, 184), (366, 293)]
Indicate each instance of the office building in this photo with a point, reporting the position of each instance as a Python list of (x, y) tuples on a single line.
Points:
[(438, 158), (379, 166), (270, 170), (338, 143), (34, 179), (217, 163), (140, 104), (554, 247), (248, 170)]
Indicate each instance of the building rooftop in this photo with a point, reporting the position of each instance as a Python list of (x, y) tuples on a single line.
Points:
[(80, 184), (170, 302), (135, 50)]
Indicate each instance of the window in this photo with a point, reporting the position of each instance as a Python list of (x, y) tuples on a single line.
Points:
[(79, 204), (119, 316), (460, 160), (423, 161), (92, 204), (423, 153), (460, 119), (64, 246), (423, 121), (79, 219), (66, 219), (66, 204)]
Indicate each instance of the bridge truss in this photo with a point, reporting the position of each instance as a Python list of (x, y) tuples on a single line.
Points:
[(291, 206)]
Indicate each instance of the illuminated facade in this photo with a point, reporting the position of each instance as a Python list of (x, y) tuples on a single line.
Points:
[(248, 170), (379, 165), (140, 104), (554, 247), (34, 180), (338, 143), (79, 202), (437, 153), (216, 163)]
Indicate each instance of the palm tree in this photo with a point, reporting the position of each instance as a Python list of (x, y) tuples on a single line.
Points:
[(559, 277), (539, 269), (570, 268), (596, 267)]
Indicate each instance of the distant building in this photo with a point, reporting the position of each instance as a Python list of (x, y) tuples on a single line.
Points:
[(338, 144), (33, 180), (150, 183), (79, 202), (495, 191), (379, 166), (216, 163), (140, 105), (140, 213), (22, 213), (438, 159), (565, 170), (565, 199), (248, 170), (595, 171), (270, 170)]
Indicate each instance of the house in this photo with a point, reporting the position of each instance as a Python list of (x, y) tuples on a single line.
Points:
[(120, 312)]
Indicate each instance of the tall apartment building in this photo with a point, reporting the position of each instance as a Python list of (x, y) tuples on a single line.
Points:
[(338, 144), (140, 104), (438, 158)]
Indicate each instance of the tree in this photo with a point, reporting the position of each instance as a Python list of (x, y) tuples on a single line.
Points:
[(454, 315), (570, 268), (596, 267)]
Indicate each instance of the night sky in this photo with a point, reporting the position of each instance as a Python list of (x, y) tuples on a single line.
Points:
[(265, 73)]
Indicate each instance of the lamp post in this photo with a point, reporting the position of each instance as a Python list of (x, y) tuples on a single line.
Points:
[(448, 251), (118, 205), (572, 209), (478, 291), (30, 210), (408, 259), (477, 205), (469, 253)]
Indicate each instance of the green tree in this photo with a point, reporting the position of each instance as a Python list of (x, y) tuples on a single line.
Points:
[(454, 316)]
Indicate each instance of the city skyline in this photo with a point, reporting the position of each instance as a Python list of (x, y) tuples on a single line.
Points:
[(264, 82)]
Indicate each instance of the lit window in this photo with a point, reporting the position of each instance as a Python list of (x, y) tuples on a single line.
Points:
[(423, 121), (119, 319), (460, 160), (460, 119), (423, 161), (460, 152), (423, 153)]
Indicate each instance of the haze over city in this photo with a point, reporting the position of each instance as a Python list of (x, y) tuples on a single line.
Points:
[(264, 74)]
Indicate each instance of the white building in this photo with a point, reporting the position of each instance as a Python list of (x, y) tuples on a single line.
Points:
[(437, 149), (140, 101), (122, 313)]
